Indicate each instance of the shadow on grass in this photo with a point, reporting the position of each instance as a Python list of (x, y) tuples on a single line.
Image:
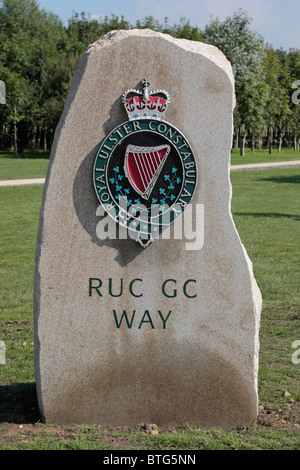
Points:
[(18, 404), (273, 215), (282, 179), (26, 155)]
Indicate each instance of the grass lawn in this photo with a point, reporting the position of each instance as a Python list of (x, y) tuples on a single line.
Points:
[(265, 207), (27, 166), (263, 156)]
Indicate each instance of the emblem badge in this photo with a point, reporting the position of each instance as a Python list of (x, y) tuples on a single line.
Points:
[(145, 171)]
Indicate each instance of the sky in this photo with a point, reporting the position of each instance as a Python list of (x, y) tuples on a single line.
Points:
[(277, 21)]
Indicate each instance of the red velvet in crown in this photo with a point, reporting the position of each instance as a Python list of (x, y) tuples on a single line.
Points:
[(137, 108)]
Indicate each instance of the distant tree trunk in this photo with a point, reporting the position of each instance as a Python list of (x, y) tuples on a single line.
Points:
[(268, 138), (45, 138), (242, 145), (295, 141), (290, 139), (271, 141), (281, 135), (16, 152), (237, 134), (260, 142), (51, 137), (253, 142), (259, 139), (39, 138), (33, 141)]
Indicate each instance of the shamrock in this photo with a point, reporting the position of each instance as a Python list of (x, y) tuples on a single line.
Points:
[(129, 203), (153, 201), (174, 170), (116, 169), (127, 190), (171, 186), (161, 191), (166, 177), (133, 210), (162, 201), (162, 208), (137, 201), (178, 180), (112, 180), (118, 188), (172, 197), (120, 177)]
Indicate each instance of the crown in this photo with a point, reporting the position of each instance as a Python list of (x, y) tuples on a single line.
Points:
[(146, 104)]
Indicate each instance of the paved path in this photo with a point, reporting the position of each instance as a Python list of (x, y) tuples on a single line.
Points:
[(263, 166), (252, 166), (22, 182)]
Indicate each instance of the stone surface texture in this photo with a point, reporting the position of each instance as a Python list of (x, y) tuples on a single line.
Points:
[(202, 368)]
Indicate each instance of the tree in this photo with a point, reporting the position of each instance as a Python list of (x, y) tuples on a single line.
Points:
[(181, 30), (290, 73), (277, 108), (184, 30), (82, 30), (29, 55), (249, 111), (245, 50), (39, 55)]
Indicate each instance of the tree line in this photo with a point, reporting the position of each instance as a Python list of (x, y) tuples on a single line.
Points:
[(39, 54)]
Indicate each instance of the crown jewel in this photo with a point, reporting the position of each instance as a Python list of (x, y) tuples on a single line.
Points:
[(146, 104)]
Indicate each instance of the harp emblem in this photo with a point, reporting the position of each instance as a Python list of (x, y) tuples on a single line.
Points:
[(145, 171), (143, 166)]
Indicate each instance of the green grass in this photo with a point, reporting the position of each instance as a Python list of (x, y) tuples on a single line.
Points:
[(186, 438), (18, 227), (265, 207), (263, 156), (27, 166), (35, 166)]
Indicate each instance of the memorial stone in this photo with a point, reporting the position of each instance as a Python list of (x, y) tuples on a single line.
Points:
[(138, 321)]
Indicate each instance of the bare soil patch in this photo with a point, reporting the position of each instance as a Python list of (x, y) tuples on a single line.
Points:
[(113, 436)]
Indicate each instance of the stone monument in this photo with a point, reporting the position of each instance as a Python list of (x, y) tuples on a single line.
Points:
[(134, 322)]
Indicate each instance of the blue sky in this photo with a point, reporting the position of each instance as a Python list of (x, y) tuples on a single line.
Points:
[(277, 21)]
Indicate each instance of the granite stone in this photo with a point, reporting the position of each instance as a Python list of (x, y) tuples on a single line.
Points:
[(191, 351)]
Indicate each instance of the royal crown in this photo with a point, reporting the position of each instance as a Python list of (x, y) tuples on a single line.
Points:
[(146, 104)]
